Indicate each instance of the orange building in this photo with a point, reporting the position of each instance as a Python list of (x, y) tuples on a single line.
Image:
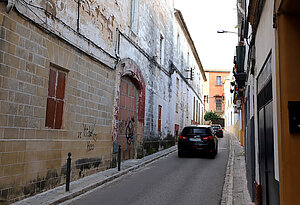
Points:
[(214, 90)]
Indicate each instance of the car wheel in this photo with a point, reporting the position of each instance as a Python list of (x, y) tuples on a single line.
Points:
[(180, 154), (212, 154)]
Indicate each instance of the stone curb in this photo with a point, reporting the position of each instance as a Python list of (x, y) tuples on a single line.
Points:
[(62, 196), (228, 184)]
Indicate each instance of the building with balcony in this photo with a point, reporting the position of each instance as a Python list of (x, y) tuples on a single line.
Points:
[(214, 90), (267, 85)]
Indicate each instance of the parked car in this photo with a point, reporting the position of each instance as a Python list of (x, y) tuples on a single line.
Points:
[(218, 130), (197, 138)]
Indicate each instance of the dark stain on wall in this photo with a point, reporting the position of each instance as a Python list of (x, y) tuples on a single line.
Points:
[(87, 163), (3, 196), (153, 145), (40, 184), (51, 180)]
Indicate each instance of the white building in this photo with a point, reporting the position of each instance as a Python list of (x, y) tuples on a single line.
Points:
[(188, 80), (232, 112)]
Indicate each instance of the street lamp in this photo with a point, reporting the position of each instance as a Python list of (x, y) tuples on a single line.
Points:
[(223, 31)]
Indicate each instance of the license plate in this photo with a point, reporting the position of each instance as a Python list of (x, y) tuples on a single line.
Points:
[(195, 139)]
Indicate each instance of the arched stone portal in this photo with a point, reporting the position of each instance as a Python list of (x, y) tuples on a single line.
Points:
[(129, 109)]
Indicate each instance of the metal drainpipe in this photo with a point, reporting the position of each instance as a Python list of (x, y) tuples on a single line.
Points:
[(10, 5), (78, 10), (117, 47)]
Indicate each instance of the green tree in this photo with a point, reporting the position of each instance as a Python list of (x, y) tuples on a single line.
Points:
[(211, 116)]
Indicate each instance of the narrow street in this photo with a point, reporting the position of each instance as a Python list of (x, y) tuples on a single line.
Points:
[(85, 85), (170, 180)]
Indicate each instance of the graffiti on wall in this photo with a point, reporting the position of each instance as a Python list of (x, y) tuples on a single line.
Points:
[(127, 126), (89, 135)]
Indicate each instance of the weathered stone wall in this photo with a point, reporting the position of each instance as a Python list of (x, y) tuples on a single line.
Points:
[(155, 19), (95, 56), (89, 25), (33, 157)]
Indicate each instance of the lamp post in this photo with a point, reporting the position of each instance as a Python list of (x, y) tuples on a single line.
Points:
[(223, 31)]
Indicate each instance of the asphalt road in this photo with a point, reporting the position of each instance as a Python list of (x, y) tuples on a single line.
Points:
[(169, 180)]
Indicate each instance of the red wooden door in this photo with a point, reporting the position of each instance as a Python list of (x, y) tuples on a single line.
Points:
[(127, 118)]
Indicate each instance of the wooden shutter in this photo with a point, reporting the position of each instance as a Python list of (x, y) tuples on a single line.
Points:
[(159, 118), (55, 100)]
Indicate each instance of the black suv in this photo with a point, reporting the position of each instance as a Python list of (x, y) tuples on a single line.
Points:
[(197, 138), (218, 130)]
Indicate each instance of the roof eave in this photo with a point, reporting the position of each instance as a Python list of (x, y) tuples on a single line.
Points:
[(183, 26)]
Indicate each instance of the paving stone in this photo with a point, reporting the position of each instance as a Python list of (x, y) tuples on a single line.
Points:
[(235, 189)]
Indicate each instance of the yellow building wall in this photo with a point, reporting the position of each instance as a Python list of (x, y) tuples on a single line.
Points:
[(234, 129), (288, 75)]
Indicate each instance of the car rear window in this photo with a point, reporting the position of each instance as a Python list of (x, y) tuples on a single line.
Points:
[(216, 127), (192, 130)]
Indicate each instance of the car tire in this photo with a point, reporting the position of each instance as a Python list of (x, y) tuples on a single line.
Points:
[(180, 154), (212, 155)]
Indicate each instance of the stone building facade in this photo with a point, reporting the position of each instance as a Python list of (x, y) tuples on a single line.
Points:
[(87, 76), (46, 83)]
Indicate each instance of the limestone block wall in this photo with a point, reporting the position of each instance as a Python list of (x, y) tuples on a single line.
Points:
[(33, 157)]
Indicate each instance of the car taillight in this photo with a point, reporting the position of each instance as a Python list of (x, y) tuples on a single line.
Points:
[(220, 129), (208, 138), (182, 137)]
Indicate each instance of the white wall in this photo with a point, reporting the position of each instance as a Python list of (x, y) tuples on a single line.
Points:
[(265, 43), (195, 87), (230, 119)]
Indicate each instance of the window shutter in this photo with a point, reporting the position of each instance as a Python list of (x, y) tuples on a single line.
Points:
[(50, 112), (60, 89), (51, 84), (59, 114), (55, 100)]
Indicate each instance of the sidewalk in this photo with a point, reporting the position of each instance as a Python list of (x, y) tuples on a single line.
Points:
[(235, 189), (80, 186)]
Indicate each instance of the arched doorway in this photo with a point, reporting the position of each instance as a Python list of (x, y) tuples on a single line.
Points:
[(129, 110), (127, 117)]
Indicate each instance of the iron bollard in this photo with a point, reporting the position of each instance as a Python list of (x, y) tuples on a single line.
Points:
[(119, 158), (68, 172)]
